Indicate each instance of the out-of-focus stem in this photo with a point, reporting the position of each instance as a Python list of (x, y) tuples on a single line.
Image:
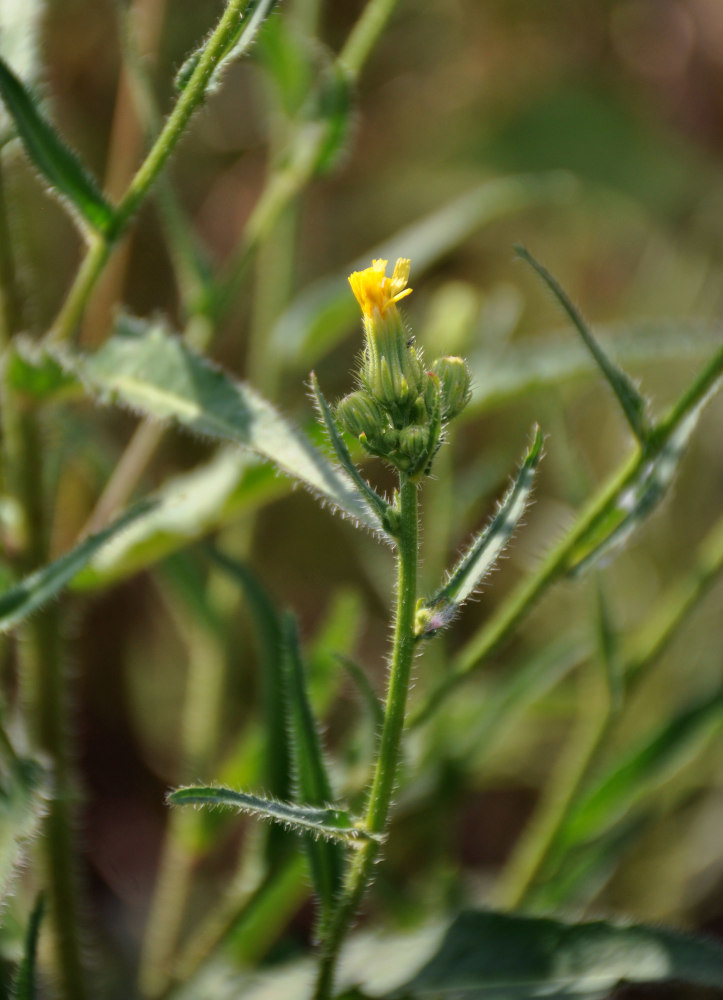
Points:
[(365, 33)]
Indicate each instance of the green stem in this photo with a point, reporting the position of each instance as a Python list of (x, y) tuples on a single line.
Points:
[(380, 796), (191, 98), (365, 33)]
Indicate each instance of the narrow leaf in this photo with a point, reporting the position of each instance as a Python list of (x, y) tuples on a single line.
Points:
[(384, 511), (60, 167), (187, 507), (313, 784), (334, 824), (19, 30), (508, 957), (365, 689), (631, 777), (631, 400), (31, 593), (24, 985), (239, 44), (642, 498), (485, 550), (145, 368)]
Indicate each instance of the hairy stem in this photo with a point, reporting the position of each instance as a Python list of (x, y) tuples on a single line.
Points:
[(385, 773)]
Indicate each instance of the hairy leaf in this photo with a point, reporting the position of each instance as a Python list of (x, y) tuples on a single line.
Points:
[(334, 824), (437, 611), (24, 788), (506, 957), (60, 167), (31, 593), (145, 368), (19, 29)]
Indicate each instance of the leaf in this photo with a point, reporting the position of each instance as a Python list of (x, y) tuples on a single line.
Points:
[(550, 361), (313, 784), (24, 985), (239, 44), (631, 777), (323, 313), (640, 500), (187, 507), (35, 372), (506, 957), (145, 368), (19, 30), (334, 824), (31, 593), (384, 511), (633, 403), (437, 611), (24, 789), (60, 167)]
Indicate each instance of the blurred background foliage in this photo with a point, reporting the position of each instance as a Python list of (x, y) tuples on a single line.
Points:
[(626, 98)]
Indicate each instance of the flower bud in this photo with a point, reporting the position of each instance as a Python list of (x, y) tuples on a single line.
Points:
[(454, 377), (414, 445), (358, 413)]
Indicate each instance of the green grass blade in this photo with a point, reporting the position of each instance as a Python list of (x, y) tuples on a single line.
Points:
[(24, 985), (313, 784), (325, 311), (508, 957), (485, 549), (60, 167), (30, 594), (383, 510), (333, 824), (239, 44), (633, 403), (146, 369), (643, 768)]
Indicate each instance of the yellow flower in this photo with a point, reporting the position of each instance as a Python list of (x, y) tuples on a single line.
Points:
[(374, 291)]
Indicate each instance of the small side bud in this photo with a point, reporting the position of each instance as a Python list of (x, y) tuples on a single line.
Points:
[(359, 414), (414, 445), (455, 380)]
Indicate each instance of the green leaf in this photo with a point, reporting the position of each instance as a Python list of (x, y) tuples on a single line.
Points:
[(628, 779), (640, 500), (239, 44), (187, 507), (24, 789), (505, 957), (31, 593), (19, 29), (32, 370), (313, 784), (60, 167), (384, 511), (631, 400), (437, 611), (24, 985), (331, 823), (324, 312), (145, 368), (550, 361)]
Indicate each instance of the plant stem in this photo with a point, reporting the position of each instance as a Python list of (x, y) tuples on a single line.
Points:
[(578, 758), (191, 98), (380, 796), (365, 33)]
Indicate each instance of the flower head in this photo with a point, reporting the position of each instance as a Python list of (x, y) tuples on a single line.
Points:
[(374, 291)]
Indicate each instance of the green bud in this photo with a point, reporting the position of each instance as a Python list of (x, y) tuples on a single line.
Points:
[(392, 371), (454, 377), (414, 444), (358, 413)]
